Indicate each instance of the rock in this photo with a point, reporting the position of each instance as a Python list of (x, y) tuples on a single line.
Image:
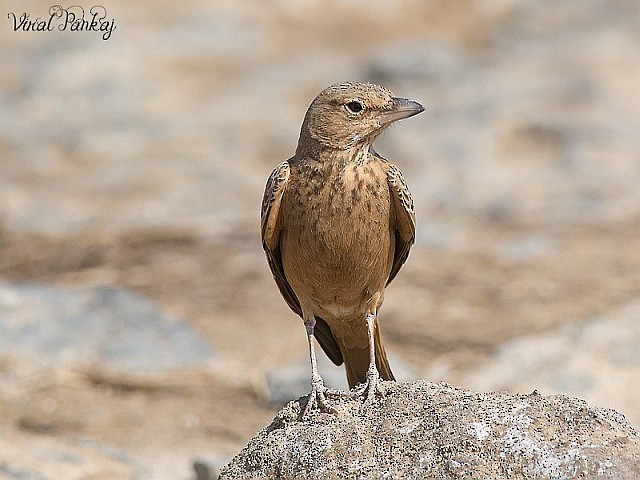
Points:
[(429, 430), (597, 360), (42, 457), (205, 469), (110, 327)]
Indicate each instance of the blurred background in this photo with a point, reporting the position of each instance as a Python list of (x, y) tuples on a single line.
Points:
[(140, 328)]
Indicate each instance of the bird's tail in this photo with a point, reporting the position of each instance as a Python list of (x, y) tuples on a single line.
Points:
[(356, 360)]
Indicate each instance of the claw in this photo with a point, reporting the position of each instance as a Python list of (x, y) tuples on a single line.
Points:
[(368, 389), (318, 397), (372, 385)]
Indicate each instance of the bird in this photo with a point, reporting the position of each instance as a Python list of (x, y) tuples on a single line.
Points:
[(337, 224)]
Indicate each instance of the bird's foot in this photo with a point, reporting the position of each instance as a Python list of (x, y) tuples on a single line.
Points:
[(369, 388), (318, 397)]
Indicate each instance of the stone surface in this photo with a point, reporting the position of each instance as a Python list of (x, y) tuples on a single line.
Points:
[(109, 327), (427, 430), (597, 360), (40, 457)]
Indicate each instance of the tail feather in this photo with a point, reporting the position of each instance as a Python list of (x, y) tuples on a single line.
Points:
[(381, 358), (356, 361), (327, 341)]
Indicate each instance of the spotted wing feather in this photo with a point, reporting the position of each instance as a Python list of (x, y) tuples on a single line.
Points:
[(271, 224), (405, 218)]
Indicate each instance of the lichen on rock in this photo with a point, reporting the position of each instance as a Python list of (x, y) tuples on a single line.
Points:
[(433, 430)]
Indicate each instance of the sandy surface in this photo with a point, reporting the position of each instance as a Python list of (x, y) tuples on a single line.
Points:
[(140, 162)]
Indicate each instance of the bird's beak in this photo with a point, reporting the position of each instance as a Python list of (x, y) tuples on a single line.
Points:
[(402, 108)]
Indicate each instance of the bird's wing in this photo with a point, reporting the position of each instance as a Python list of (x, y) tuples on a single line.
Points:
[(405, 225), (270, 223)]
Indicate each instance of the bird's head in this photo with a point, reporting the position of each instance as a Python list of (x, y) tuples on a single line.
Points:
[(347, 115)]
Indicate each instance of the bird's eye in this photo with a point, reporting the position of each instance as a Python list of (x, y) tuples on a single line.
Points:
[(354, 107)]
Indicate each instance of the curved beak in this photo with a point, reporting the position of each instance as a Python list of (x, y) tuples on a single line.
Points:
[(402, 108)]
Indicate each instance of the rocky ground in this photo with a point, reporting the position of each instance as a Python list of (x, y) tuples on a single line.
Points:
[(423, 430), (131, 171)]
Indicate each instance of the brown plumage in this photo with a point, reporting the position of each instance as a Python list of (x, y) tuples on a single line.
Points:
[(337, 225)]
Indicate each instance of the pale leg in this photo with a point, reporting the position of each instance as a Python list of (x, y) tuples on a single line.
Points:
[(373, 377), (318, 390)]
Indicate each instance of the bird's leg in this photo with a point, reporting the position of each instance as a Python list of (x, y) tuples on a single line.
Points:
[(373, 377), (318, 390)]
